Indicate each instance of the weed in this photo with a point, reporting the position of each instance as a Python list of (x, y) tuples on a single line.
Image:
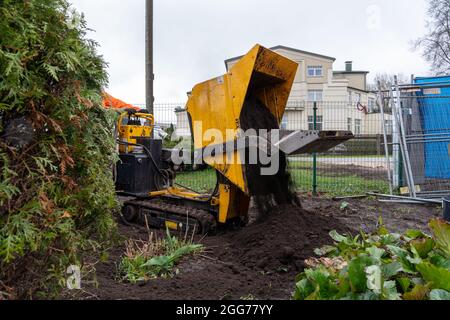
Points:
[(154, 258)]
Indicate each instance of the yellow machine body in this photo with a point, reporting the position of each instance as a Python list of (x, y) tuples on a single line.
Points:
[(129, 129), (215, 108)]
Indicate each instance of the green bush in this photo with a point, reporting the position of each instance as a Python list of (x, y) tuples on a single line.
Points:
[(381, 266), (56, 188)]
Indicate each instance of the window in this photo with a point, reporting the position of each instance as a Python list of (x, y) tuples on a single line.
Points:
[(357, 97), (389, 126), (319, 123), (349, 124), (315, 95), (315, 71), (357, 126), (284, 123), (372, 105), (350, 97)]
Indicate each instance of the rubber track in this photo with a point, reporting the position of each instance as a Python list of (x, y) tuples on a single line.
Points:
[(204, 218)]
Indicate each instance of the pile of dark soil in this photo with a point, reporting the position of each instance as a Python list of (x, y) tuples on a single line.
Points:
[(286, 238), (261, 260)]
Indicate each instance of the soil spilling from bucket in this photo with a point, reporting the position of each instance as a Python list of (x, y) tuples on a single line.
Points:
[(268, 190)]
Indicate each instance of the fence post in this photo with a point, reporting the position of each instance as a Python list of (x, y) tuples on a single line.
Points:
[(315, 155)]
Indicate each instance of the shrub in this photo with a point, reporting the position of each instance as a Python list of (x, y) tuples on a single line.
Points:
[(56, 144), (381, 266)]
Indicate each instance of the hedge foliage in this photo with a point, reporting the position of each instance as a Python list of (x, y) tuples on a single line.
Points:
[(56, 146)]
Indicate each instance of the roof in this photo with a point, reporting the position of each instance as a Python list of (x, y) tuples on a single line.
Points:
[(351, 72), (357, 89), (289, 49)]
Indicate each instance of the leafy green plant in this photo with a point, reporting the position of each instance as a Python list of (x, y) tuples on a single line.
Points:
[(380, 266), (145, 260), (56, 187)]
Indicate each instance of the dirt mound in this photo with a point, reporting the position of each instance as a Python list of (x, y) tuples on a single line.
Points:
[(286, 238)]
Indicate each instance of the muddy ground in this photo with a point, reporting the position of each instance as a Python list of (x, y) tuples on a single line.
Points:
[(262, 260)]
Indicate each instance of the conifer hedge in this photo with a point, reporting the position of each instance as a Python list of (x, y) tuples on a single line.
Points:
[(56, 145)]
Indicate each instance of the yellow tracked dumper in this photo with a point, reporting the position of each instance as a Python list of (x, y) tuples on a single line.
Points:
[(233, 117)]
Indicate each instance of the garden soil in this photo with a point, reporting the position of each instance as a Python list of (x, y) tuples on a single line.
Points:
[(261, 260)]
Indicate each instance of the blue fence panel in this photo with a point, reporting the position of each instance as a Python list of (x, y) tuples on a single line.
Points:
[(435, 112)]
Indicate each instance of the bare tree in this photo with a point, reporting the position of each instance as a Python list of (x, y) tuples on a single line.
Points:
[(387, 81), (436, 43)]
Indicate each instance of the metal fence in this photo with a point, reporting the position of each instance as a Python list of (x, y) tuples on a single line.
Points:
[(353, 168), (423, 126)]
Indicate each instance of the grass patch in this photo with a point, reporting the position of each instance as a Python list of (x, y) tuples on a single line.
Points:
[(204, 181), (339, 185), (154, 258)]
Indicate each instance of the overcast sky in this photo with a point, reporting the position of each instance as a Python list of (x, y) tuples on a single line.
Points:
[(194, 37)]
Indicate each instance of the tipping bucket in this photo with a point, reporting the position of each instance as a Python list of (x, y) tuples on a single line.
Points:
[(220, 108)]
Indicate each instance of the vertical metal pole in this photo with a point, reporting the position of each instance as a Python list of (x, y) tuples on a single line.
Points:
[(397, 171), (403, 143), (386, 146), (315, 155), (149, 74)]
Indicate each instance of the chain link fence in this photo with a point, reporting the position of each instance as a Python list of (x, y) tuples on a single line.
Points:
[(355, 167)]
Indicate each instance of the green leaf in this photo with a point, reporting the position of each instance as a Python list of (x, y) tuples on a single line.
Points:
[(337, 237), (439, 294), (326, 250), (423, 246), (391, 269), (438, 277), (440, 261), (403, 257), (303, 289), (325, 288), (344, 206), (415, 234), (420, 292), (390, 239), (376, 253), (357, 273), (404, 284), (390, 291), (441, 232), (374, 279), (415, 259), (160, 261), (52, 71)]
